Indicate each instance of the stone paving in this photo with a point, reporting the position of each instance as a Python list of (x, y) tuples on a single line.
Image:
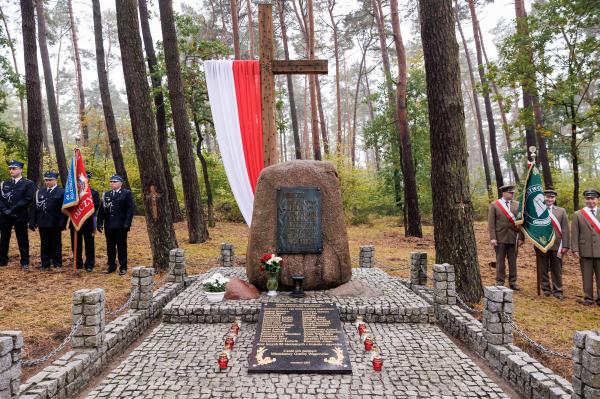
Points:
[(398, 304), (179, 361)]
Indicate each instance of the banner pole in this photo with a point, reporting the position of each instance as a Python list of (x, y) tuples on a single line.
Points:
[(76, 232)]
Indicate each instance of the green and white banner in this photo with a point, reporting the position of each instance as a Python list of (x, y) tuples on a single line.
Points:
[(533, 214)]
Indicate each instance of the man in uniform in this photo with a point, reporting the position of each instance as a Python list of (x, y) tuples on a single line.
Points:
[(47, 216), (504, 235), (551, 261), (86, 232), (585, 244), (115, 216), (16, 195)]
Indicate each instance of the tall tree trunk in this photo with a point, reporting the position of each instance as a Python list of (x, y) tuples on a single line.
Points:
[(159, 104), (338, 99), (486, 166), (500, 101), (16, 68), (486, 100), (389, 89), (452, 207), (411, 197), (50, 97), (574, 155), (313, 83), (34, 93), (250, 31), (158, 215), (78, 75), (235, 29), (198, 231), (523, 31), (109, 116), (322, 121), (290, 83), (356, 91), (391, 94), (209, 197), (528, 83)]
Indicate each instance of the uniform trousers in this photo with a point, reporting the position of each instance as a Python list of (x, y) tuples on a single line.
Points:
[(90, 248), (589, 268), (51, 246), (549, 262), (504, 251), (116, 242), (6, 227)]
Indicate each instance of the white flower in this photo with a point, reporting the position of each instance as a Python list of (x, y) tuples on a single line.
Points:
[(276, 259), (269, 262)]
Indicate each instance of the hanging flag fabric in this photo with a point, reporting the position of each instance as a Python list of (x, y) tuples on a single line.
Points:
[(78, 203), (235, 102), (533, 214)]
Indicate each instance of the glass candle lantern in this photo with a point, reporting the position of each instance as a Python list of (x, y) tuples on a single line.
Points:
[(362, 328), (235, 328), (229, 342), (377, 363), (368, 343), (223, 361)]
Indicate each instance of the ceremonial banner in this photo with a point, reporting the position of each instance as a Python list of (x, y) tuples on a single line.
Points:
[(533, 214), (234, 95), (77, 201)]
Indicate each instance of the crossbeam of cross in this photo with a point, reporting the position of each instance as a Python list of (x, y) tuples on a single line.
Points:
[(268, 69)]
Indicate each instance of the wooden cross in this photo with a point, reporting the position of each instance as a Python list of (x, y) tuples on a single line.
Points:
[(268, 69), (153, 196)]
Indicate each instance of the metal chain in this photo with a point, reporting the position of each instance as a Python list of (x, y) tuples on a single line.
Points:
[(467, 307), (33, 362), (536, 345), (125, 305)]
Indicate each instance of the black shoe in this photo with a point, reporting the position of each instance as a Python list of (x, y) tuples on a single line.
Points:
[(110, 270), (559, 296), (515, 287), (586, 302), (547, 294), (122, 272), (25, 267), (89, 269), (44, 267), (3, 264)]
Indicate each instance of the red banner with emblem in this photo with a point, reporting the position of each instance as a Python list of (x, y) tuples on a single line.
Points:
[(78, 203)]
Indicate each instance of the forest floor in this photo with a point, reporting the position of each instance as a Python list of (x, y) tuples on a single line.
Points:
[(39, 303)]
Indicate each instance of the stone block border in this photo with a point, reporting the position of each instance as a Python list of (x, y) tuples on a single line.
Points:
[(97, 344), (492, 340)]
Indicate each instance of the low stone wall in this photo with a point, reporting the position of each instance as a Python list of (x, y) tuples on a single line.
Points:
[(397, 304), (11, 343), (95, 344), (493, 341)]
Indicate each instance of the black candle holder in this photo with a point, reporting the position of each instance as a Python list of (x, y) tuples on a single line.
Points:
[(298, 291)]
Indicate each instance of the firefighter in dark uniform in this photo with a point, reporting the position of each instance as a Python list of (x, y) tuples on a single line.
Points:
[(86, 233), (115, 216), (47, 216), (16, 195)]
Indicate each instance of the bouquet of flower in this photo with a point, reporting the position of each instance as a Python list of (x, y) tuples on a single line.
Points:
[(216, 283), (270, 263)]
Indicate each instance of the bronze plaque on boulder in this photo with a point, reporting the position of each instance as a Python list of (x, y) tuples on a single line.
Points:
[(299, 220), (299, 338)]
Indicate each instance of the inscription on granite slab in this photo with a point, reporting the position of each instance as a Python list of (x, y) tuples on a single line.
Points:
[(299, 338), (299, 220)]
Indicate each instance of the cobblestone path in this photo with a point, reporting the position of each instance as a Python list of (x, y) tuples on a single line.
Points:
[(180, 361)]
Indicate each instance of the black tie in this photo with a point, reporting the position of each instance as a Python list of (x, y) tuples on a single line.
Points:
[(593, 212), (508, 204)]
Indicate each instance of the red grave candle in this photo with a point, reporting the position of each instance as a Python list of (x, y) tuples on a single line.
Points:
[(223, 360), (368, 343), (377, 363), (229, 342), (362, 328)]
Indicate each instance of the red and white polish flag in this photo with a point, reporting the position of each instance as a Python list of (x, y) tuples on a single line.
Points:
[(234, 95)]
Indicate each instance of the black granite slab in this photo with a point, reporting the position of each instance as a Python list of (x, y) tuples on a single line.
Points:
[(299, 338)]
